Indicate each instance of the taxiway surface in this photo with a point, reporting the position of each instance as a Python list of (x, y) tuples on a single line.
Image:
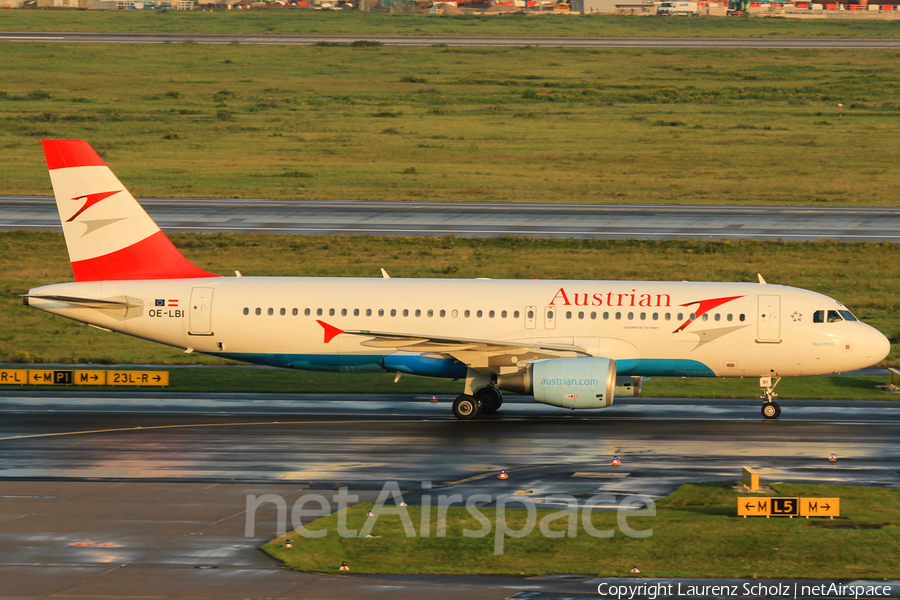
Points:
[(140, 495), (490, 219), (461, 40)]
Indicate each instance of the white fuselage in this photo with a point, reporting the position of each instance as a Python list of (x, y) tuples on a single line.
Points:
[(746, 329)]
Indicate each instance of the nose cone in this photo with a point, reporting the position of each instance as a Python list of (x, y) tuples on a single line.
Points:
[(877, 346)]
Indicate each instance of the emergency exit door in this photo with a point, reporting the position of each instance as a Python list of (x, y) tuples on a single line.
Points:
[(201, 311)]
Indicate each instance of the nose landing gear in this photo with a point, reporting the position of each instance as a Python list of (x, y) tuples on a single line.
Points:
[(770, 408)]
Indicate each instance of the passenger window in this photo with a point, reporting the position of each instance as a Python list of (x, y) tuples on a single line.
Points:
[(331, 312), (295, 312), (706, 316), (606, 316), (343, 312), (418, 312), (246, 311), (568, 314), (455, 313), (729, 317), (618, 316), (491, 314), (680, 317), (306, 312), (405, 312), (271, 311), (819, 316), (393, 312), (668, 316), (530, 314), (355, 312), (258, 311), (580, 315), (283, 312), (718, 317), (430, 313), (443, 313), (594, 315), (848, 316), (630, 316), (741, 318), (643, 316), (478, 314), (693, 316), (380, 312), (833, 316), (656, 316), (466, 314), (503, 314), (368, 312)]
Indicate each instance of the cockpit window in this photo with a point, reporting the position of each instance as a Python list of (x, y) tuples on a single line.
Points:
[(833, 316), (819, 316), (848, 316)]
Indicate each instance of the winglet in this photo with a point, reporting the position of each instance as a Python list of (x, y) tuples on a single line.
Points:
[(330, 331)]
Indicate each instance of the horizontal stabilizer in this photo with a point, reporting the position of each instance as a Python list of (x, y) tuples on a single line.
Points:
[(100, 303)]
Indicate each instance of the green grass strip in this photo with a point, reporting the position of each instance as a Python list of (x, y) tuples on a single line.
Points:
[(695, 533)]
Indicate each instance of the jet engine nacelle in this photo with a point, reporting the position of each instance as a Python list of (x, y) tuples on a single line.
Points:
[(629, 385), (588, 382)]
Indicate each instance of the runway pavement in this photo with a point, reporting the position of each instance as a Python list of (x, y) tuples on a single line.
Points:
[(491, 219), (464, 41), (143, 494)]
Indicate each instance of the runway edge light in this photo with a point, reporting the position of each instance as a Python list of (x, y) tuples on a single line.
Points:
[(288, 544), (502, 475), (635, 570), (344, 567), (615, 461), (832, 458)]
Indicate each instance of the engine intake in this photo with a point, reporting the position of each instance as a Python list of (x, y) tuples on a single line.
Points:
[(588, 382)]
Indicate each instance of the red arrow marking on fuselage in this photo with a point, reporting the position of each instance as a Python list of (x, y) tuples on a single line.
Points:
[(90, 200), (330, 330), (705, 306)]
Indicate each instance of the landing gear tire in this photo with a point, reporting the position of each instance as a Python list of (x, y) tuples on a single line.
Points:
[(466, 407), (771, 410), (491, 399)]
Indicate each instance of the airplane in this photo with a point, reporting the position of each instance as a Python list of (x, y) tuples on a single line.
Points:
[(570, 344)]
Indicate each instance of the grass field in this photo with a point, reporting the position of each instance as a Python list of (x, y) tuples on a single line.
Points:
[(862, 543), (863, 276), (274, 22), (479, 124)]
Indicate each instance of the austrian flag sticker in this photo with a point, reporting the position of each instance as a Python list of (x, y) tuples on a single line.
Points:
[(170, 303)]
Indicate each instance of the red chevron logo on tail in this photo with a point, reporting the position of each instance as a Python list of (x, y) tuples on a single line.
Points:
[(91, 199)]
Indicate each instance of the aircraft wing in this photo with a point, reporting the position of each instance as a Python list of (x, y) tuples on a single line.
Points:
[(486, 356)]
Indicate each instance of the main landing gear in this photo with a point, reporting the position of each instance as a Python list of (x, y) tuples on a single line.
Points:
[(770, 408), (485, 401)]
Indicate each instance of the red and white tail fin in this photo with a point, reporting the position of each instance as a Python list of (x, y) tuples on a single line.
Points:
[(108, 234)]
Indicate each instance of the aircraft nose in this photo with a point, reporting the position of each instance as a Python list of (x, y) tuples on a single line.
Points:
[(877, 346)]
